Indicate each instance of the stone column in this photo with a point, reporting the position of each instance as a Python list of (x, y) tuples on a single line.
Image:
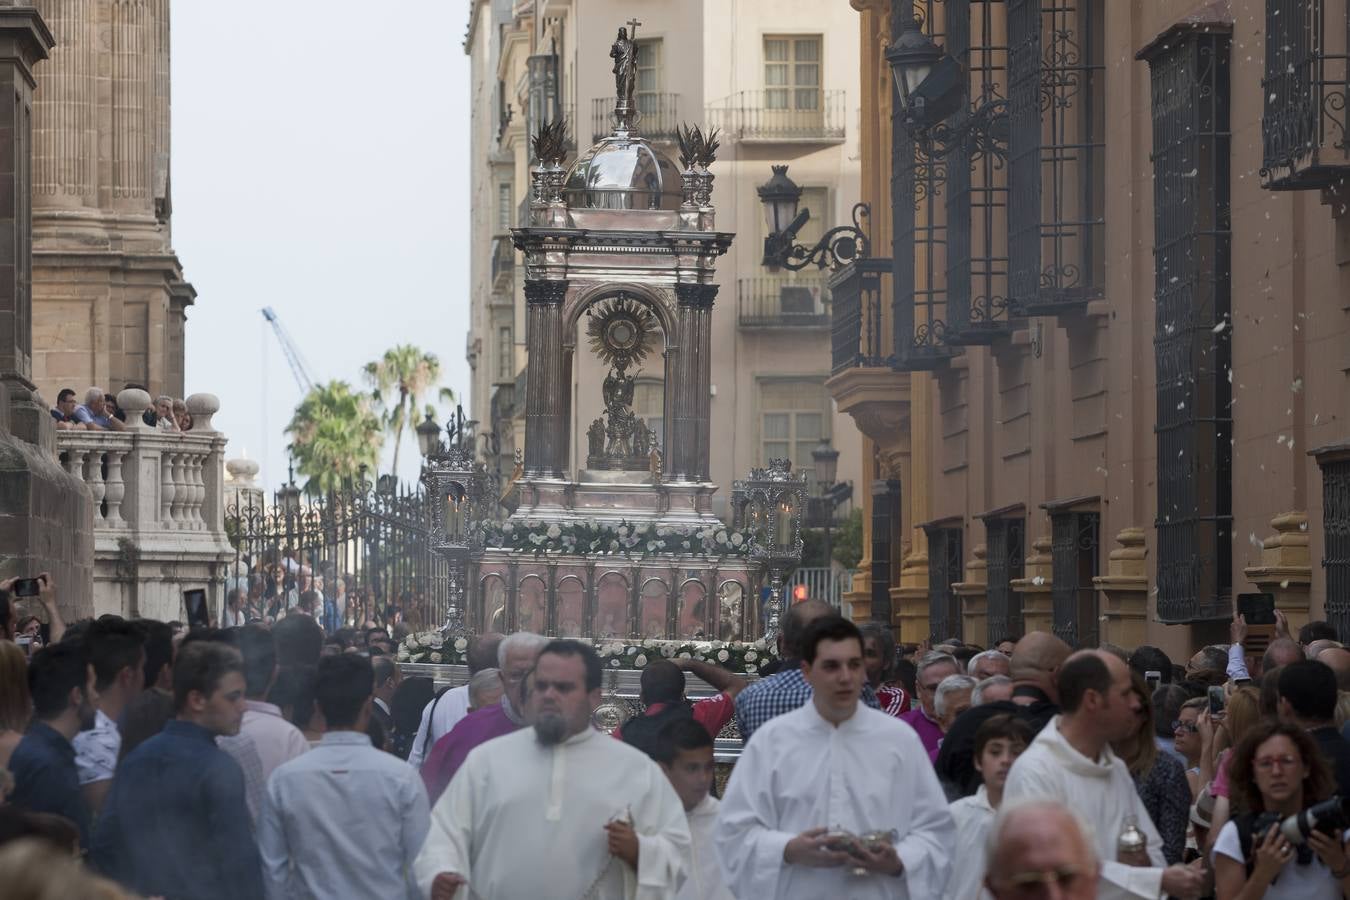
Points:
[(974, 594), (65, 158), (547, 381), (1124, 590), (133, 61), (689, 435), (1035, 585), (1286, 568)]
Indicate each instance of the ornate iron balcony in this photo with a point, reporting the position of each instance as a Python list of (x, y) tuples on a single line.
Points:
[(769, 302), (1303, 130), (503, 262), (764, 116), (855, 315)]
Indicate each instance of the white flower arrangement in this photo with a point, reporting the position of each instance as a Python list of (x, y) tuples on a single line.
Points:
[(640, 661), (736, 656), (606, 538)]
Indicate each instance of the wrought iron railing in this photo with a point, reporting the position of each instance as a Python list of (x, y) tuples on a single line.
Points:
[(1004, 561), (503, 261), (757, 116), (1193, 326), (919, 296), (782, 302), (1056, 148), (1074, 537), (660, 119), (945, 568), (1336, 539), (1304, 142), (856, 336), (823, 583), (977, 186)]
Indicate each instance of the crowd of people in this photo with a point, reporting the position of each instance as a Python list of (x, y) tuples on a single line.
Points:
[(99, 412), (268, 759)]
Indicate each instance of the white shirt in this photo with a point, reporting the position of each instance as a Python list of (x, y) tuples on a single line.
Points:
[(453, 705), (973, 817), (521, 820), (1311, 882), (265, 741), (233, 619), (344, 820), (1102, 794), (96, 750), (703, 880), (870, 773)]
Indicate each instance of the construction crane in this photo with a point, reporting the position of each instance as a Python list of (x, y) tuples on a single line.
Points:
[(293, 358)]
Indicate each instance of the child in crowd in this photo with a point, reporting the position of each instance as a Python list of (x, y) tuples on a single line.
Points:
[(998, 743), (684, 750)]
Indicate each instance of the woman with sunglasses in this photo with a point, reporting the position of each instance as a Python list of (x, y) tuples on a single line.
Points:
[(1276, 768), (1187, 741)]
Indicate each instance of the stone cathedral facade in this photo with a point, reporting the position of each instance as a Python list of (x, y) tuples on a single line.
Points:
[(109, 298)]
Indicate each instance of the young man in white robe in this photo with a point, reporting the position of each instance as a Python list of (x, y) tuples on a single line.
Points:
[(684, 750), (834, 764), (998, 742), (558, 810), (1071, 762)]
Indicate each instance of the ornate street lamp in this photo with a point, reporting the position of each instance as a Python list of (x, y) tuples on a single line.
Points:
[(288, 495), (838, 246), (773, 498), (458, 489), (428, 436), (929, 83)]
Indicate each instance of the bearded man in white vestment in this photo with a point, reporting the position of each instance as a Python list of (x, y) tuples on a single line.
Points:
[(558, 811), (834, 764)]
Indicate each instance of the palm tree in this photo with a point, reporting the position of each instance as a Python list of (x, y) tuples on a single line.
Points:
[(333, 434), (399, 378)]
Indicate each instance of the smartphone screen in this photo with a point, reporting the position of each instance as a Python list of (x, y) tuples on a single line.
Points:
[(1153, 678), (26, 587), (1216, 701)]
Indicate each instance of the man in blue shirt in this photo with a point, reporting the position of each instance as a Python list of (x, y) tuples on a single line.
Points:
[(175, 824), (344, 819), (93, 412), (43, 764)]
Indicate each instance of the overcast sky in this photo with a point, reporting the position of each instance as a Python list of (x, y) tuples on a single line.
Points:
[(320, 168)]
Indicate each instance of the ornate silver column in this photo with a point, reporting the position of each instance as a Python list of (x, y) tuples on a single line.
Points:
[(688, 438), (547, 380)]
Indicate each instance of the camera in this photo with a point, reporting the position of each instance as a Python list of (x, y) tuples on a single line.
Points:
[(1328, 817)]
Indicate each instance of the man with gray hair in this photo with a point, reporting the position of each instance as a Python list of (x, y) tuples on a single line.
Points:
[(516, 656), (445, 711), (94, 412), (952, 698), (933, 668), (994, 689), (1040, 843), (987, 665), (485, 689)]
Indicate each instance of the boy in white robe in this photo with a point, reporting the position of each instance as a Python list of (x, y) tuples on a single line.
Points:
[(998, 742), (834, 765), (684, 750), (557, 810)]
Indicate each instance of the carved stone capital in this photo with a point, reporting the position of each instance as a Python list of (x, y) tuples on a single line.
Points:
[(698, 296), (539, 291)]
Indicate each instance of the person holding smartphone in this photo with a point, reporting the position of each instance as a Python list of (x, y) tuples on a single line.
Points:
[(44, 589)]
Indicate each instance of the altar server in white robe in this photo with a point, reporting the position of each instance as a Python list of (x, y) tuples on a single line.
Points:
[(834, 764), (1070, 762), (558, 810)]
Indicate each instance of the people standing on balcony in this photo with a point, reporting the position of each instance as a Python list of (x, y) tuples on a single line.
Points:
[(164, 419), (64, 412), (94, 414), (852, 769), (182, 418)]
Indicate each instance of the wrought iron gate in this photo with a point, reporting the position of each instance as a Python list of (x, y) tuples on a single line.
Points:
[(945, 561), (368, 550)]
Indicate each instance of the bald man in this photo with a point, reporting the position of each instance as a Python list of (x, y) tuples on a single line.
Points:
[(1071, 762), (1338, 660), (1035, 700), (1040, 842)]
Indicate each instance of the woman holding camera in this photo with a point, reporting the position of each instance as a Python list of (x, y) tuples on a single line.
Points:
[(1276, 771)]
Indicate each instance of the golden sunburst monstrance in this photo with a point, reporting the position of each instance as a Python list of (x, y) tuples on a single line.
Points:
[(621, 331)]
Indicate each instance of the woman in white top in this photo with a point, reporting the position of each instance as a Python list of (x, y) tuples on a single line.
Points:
[(1277, 768)]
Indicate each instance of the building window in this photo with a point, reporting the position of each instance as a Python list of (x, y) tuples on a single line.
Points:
[(977, 180), (1056, 150), (792, 72), (649, 404), (1005, 554), (945, 562), (793, 420), (649, 76), (505, 206), (506, 355), (1336, 540), (1193, 327), (1073, 553)]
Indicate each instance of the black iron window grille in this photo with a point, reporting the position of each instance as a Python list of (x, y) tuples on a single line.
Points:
[(1056, 218), (1074, 538), (1005, 556), (1336, 538), (1306, 83), (1193, 326), (977, 184), (945, 565), (919, 242), (855, 314)]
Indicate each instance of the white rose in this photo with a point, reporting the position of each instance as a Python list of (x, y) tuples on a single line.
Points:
[(640, 661), (435, 657), (717, 645), (508, 527), (751, 656), (667, 651), (462, 644), (764, 664), (632, 650), (402, 655), (737, 540), (412, 642), (614, 663), (722, 537), (723, 656), (554, 532), (685, 655), (623, 531)]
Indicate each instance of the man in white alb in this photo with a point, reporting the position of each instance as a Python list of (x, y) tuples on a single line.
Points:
[(834, 765), (446, 709), (558, 810)]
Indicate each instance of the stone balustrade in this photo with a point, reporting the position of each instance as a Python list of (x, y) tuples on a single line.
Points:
[(159, 509)]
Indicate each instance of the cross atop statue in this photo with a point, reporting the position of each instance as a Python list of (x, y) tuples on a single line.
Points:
[(624, 54)]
